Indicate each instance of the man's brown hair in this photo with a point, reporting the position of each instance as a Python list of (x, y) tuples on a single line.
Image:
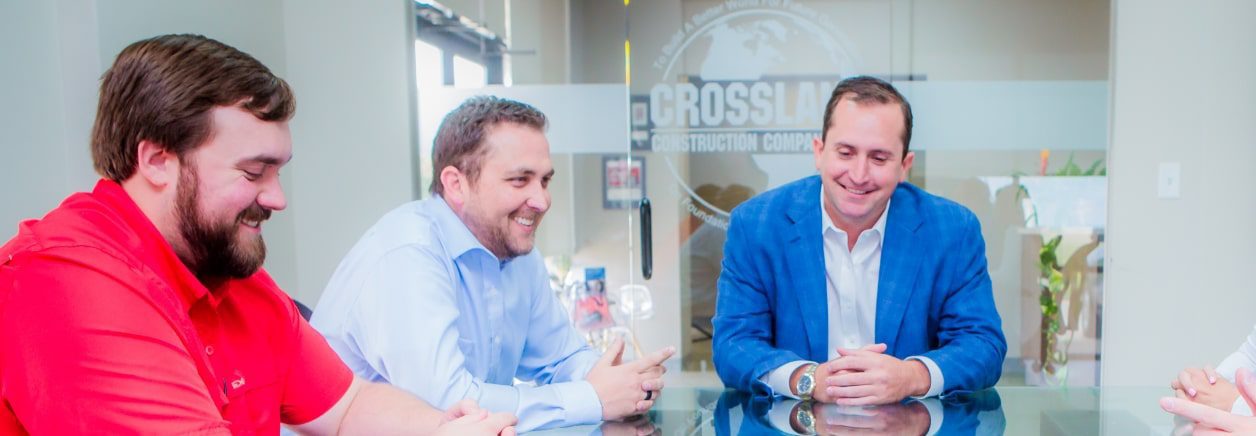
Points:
[(162, 89), (864, 90), (460, 139)]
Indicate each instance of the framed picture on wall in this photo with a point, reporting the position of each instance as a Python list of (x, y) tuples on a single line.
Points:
[(623, 181)]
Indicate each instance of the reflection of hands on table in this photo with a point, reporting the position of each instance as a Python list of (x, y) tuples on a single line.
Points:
[(892, 419), (639, 425)]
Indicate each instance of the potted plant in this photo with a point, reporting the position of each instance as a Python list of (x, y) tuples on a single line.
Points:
[(1057, 282)]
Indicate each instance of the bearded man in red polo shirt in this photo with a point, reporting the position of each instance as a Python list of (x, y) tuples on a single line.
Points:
[(141, 307)]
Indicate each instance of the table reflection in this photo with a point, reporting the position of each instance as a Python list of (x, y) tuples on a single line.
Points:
[(974, 413), (633, 426), (1115, 411)]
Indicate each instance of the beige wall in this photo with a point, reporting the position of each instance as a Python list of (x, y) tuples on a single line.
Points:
[(51, 63), (1179, 285), (63, 47), (1009, 39), (349, 63)]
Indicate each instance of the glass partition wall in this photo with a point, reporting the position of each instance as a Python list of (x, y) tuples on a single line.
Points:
[(700, 105)]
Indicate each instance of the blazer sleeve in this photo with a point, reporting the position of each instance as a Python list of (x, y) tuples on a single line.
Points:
[(971, 345), (743, 343)]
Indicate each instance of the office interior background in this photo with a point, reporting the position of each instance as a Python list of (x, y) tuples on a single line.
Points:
[(1123, 127)]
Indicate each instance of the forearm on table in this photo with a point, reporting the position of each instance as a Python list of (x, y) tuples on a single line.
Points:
[(382, 409)]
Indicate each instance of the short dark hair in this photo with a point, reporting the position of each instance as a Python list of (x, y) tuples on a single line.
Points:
[(162, 89), (865, 89), (460, 140)]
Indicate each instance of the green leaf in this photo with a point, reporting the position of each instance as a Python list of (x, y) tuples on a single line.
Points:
[(1094, 168), (1070, 168)]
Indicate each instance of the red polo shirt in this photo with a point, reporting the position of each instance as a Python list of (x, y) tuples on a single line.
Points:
[(103, 330)]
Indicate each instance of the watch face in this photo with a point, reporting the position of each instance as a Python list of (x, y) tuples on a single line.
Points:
[(805, 419), (804, 384)]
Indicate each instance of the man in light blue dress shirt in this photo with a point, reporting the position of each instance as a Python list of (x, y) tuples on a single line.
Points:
[(447, 298)]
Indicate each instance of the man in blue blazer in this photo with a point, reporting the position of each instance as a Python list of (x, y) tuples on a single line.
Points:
[(853, 287)]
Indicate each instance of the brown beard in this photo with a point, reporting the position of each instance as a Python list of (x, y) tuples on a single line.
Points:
[(494, 238), (211, 248)]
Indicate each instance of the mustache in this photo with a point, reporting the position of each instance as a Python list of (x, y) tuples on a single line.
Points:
[(527, 212), (254, 213)]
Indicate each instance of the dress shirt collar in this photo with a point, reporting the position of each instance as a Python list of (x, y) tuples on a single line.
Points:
[(454, 233), (879, 227)]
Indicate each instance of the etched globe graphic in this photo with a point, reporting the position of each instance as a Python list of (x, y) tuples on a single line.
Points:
[(753, 44)]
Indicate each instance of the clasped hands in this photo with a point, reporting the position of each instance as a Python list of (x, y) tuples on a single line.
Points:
[(628, 389), (868, 376), (624, 389), (1208, 419), (1205, 386), (467, 418)]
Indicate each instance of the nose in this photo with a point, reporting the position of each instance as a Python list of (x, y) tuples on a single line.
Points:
[(859, 171), (539, 198), (272, 196)]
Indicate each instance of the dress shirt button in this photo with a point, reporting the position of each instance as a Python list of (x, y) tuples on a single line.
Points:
[(496, 340), (209, 350)]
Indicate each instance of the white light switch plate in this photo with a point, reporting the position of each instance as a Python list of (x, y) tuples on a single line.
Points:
[(1170, 180)]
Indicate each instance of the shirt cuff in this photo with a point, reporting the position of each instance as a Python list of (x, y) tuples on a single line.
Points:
[(1240, 407), (934, 406), (778, 379), (935, 376), (581, 401), (781, 415)]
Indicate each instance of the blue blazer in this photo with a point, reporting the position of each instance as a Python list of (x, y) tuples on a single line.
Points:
[(933, 298)]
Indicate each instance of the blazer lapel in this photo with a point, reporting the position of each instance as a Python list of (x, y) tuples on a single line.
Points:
[(806, 268), (900, 263)]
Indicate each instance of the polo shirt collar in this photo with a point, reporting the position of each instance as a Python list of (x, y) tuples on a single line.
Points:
[(154, 251)]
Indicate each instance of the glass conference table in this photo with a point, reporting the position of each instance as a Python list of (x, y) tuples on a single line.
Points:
[(1001, 410)]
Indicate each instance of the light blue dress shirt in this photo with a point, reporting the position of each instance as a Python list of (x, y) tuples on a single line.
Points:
[(419, 303)]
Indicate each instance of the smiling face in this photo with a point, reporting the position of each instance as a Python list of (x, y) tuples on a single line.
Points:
[(861, 161), (504, 205), (227, 188)]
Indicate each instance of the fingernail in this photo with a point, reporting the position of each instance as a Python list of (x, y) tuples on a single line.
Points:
[(1212, 380), (1191, 392)]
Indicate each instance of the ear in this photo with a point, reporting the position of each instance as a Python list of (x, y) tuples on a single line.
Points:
[(455, 186), (817, 147), (156, 165), (907, 161)]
